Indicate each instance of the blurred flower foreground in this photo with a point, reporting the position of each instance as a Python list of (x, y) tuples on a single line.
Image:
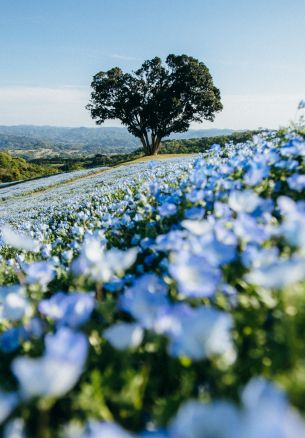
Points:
[(167, 304)]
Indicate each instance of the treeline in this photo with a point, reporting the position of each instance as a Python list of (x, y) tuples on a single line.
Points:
[(70, 164), (196, 145), (200, 145), (16, 169)]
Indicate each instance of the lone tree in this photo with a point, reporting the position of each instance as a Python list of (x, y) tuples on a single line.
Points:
[(157, 99)]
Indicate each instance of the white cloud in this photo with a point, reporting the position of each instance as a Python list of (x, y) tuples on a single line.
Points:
[(65, 106)]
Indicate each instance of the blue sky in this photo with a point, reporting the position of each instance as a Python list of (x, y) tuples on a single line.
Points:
[(49, 51)]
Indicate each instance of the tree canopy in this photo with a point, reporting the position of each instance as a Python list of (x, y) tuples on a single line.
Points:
[(157, 99)]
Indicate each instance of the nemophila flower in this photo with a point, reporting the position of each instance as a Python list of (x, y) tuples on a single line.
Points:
[(277, 274), (67, 256), (172, 241), (293, 148), (12, 338), (198, 228), (58, 370), (167, 209), (195, 276), (8, 402), (102, 265), (114, 285), (98, 429), (267, 413), (145, 299), (197, 420), (40, 272), (17, 240), (257, 171), (244, 201), (77, 230), (222, 210), (301, 104), (296, 182), (194, 213), (215, 148), (72, 309), (195, 196), (202, 333), (120, 261), (255, 256), (67, 345), (124, 335), (13, 303), (45, 251), (248, 230), (157, 433), (15, 429), (34, 328), (14, 307), (287, 164), (217, 252)]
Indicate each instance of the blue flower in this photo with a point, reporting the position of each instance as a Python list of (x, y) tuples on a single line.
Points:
[(11, 339), (145, 299), (40, 272), (277, 274), (301, 104), (198, 420), (8, 402), (72, 309), (296, 182), (194, 275), (167, 209), (199, 333), (55, 373), (124, 335)]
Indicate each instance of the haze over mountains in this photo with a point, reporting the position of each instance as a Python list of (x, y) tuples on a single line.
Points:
[(32, 141)]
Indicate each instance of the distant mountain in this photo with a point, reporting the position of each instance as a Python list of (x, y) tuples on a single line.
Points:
[(30, 140)]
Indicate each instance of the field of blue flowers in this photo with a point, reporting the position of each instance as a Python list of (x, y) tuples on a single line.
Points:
[(164, 300)]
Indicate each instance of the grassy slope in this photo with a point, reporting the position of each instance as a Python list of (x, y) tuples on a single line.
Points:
[(16, 169)]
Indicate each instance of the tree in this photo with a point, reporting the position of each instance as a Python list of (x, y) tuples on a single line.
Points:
[(157, 99)]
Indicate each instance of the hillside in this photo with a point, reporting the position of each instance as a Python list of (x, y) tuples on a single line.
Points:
[(15, 169), (182, 146), (49, 141)]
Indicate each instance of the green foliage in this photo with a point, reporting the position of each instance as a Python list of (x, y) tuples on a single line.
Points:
[(14, 169), (199, 145), (157, 99)]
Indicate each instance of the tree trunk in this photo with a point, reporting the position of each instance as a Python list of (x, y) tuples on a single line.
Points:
[(150, 147)]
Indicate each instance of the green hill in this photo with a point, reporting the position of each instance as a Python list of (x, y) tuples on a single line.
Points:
[(15, 169)]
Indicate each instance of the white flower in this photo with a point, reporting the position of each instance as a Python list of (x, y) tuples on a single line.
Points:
[(278, 274), (124, 335), (18, 240), (14, 307), (45, 376), (198, 420), (40, 272), (244, 201), (102, 265), (203, 332)]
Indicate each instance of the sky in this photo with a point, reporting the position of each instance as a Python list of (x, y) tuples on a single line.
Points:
[(49, 51)]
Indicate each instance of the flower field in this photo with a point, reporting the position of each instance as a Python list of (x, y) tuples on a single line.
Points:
[(9, 191), (160, 299)]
